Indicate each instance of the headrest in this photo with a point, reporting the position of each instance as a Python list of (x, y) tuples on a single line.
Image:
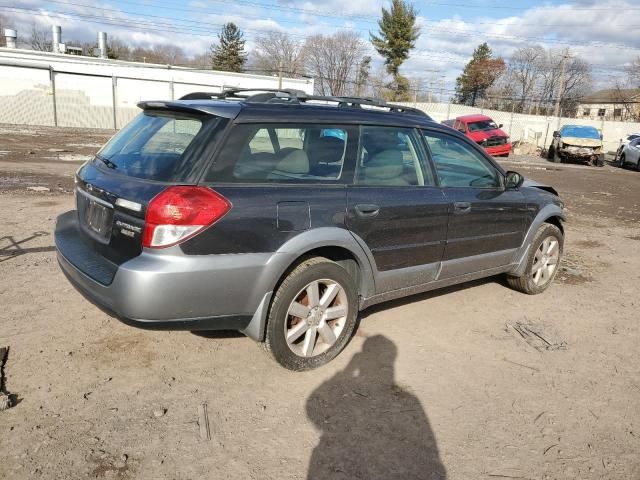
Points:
[(327, 150), (294, 161), (384, 165)]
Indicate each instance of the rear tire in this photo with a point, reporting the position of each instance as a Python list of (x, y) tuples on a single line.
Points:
[(304, 329), (545, 252)]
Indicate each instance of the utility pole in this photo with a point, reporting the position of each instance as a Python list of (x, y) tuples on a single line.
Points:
[(280, 75), (565, 55), (441, 88)]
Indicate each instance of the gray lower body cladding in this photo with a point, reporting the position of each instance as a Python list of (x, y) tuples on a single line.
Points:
[(167, 289)]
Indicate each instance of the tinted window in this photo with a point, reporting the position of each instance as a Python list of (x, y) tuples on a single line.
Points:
[(458, 164), (390, 156), (281, 153), (153, 146)]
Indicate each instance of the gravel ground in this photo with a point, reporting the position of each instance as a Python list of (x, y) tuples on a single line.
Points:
[(472, 382)]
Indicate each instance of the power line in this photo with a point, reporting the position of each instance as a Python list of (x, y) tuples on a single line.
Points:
[(169, 22)]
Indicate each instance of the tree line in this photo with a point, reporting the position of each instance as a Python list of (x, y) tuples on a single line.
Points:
[(532, 79)]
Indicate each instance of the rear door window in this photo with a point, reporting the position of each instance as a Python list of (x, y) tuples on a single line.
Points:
[(154, 146), (391, 156), (283, 153)]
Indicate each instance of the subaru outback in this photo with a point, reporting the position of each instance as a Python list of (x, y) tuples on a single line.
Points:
[(282, 215)]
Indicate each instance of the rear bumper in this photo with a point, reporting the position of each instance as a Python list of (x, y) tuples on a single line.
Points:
[(166, 290), (499, 149)]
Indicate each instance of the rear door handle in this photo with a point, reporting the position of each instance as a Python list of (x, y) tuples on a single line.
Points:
[(367, 209), (461, 207)]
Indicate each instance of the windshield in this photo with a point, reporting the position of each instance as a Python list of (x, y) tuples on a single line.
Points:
[(154, 146), (482, 125), (580, 131)]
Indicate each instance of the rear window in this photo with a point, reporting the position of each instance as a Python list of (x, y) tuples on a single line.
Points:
[(154, 146)]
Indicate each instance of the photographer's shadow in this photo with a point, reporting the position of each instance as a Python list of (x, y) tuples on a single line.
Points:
[(371, 428)]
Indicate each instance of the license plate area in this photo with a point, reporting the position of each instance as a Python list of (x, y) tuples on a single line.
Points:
[(96, 216)]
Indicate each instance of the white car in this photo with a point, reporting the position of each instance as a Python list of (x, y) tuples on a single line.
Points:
[(631, 153), (624, 142)]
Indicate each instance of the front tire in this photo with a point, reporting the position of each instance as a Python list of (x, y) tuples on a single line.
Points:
[(312, 315), (543, 261), (623, 160)]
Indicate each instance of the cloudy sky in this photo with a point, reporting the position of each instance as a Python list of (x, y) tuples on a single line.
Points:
[(604, 32)]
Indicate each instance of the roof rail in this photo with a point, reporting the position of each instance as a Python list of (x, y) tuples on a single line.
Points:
[(272, 95)]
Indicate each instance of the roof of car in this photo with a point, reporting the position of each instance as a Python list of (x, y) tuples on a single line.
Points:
[(254, 112), (473, 117)]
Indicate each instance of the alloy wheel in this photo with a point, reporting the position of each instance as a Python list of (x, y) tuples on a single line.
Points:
[(545, 261), (316, 318)]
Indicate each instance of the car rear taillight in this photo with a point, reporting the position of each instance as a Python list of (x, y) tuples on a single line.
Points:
[(181, 212)]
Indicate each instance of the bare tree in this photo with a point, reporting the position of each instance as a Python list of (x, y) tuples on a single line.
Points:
[(578, 82), (524, 70), (537, 76), (332, 60), (40, 38), (276, 51), (633, 72)]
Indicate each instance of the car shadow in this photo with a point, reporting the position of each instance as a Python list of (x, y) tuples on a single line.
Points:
[(16, 248), (371, 427)]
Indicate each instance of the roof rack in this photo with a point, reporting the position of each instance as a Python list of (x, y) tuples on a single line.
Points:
[(292, 96)]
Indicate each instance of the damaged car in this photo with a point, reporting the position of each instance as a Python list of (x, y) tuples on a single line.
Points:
[(577, 143)]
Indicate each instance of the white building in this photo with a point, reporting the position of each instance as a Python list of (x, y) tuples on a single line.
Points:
[(42, 88), (611, 104)]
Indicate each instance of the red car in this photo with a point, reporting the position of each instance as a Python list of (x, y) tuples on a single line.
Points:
[(485, 132)]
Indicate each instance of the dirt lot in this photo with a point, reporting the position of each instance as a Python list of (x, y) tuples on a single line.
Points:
[(473, 382)]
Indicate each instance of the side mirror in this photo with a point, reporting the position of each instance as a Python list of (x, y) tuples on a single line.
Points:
[(513, 180), (556, 134), (500, 125)]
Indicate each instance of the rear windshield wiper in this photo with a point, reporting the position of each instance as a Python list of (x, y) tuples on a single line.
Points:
[(107, 162)]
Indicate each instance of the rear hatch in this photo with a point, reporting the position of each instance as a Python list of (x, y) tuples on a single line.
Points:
[(159, 148)]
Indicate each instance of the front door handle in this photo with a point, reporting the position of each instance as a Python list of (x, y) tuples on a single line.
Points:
[(461, 207), (367, 209)]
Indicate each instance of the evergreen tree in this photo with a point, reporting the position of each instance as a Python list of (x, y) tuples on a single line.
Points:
[(396, 38), (228, 54), (478, 75)]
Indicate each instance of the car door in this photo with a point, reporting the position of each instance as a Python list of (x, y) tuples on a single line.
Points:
[(486, 221), (395, 208), (633, 152)]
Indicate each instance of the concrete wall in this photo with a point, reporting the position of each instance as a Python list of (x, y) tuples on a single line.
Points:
[(41, 88), (535, 129)]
